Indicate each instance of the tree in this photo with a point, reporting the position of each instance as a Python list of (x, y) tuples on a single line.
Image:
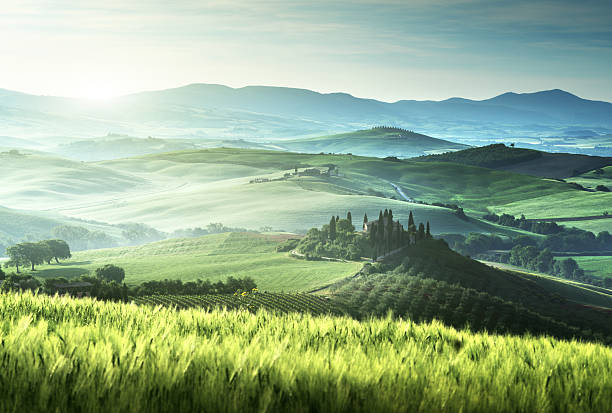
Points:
[(36, 253), (75, 236), (389, 232), (410, 220), (421, 233), (59, 249), (427, 232), (110, 273), (17, 256), (332, 228), (365, 218), (344, 226), (32, 253), (349, 217)]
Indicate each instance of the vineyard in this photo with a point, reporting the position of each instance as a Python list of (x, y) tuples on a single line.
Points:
[(252, 301)]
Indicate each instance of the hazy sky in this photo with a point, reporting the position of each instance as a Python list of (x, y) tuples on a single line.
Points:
[(388, 50)]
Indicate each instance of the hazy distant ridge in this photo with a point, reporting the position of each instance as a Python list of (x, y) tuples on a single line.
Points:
[(214, 111)]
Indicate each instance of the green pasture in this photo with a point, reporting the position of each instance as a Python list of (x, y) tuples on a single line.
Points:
[(212, 257), (596, 266)]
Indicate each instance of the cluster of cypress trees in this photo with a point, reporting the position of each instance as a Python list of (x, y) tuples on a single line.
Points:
[(387, 235)]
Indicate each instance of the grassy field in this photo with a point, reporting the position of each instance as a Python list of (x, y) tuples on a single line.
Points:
[(212, 257), (136, 358), (212, 185), (566, 204), (596, 266), (592, 179)]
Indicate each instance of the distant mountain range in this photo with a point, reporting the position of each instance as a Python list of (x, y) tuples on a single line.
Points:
[(201, 111)]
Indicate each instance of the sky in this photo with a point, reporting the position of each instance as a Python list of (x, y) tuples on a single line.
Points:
[(384, 49)]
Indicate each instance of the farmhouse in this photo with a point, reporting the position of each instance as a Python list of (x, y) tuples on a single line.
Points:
[(367, 226)]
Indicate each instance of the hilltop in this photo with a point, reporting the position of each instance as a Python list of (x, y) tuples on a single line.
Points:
[(526, 161), (378, 142)]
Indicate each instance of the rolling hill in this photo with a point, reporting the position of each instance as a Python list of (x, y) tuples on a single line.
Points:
[(525, 161), (379, 142), (249, 188), (211, 257)]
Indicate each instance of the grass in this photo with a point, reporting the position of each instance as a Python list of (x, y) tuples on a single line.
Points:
[(212, 185), (573, 290), (212, 257), (596, 266), (566, 204), (594, 225), (83, 355), (592, 179)]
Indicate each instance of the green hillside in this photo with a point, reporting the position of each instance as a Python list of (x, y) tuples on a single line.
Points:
[(212, 257), (122, 357), (596, 266), (379, 142), (215, 185), (525, 161), (429, 281)]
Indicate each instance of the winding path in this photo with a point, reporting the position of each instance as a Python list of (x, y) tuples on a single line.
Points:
[(402, 194)]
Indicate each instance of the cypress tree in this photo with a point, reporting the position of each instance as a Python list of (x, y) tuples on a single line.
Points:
[(332, 228), (389, 232), (349, 217), (421, 234), (386, 214), (410, 220), (380, 233), (337, 218), (365, 217), (427, 233)]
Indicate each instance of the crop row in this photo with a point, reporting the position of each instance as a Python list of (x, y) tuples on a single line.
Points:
[(282, 302)]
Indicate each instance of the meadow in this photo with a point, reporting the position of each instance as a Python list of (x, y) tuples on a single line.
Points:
[(212, 185), (596, 266), (561, 205), (62, 354), (211, 257)]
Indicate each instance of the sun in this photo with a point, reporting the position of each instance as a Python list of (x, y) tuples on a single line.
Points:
[(97, 92)]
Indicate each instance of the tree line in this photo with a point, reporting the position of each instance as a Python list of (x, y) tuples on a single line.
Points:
[(106, 283), (559, 237), (37, 253), (523, 251)]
